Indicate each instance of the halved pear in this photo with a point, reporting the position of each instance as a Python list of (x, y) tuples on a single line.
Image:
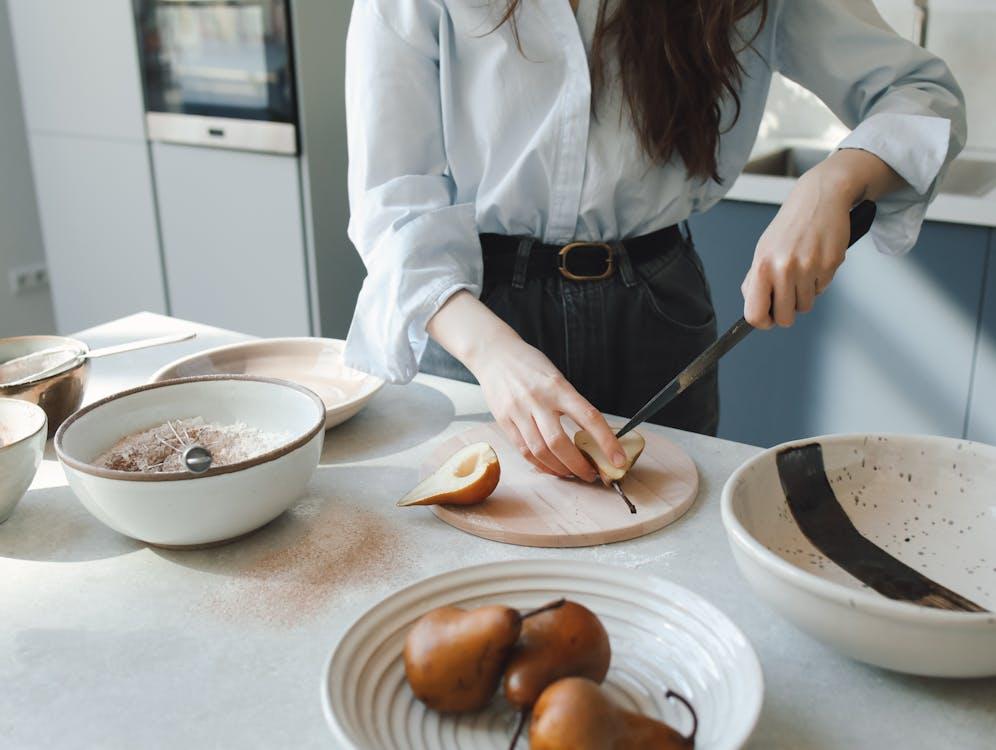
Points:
[(632, 445), (467, 477)]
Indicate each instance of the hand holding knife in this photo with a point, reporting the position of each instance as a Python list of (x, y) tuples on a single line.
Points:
[(862, 217)]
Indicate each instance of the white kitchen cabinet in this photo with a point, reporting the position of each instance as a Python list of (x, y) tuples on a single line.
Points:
[(232, 238), (982, 408), (99, 228), (78, 65)]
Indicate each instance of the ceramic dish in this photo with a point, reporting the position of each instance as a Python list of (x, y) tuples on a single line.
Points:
[(927, 501), (312, 362), (183, 509), (663, 636), (59, 394), (22, 443)]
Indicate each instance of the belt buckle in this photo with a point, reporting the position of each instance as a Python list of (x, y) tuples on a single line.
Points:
[(610, 266)]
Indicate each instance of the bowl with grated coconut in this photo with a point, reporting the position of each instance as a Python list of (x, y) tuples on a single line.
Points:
[(127, 457)]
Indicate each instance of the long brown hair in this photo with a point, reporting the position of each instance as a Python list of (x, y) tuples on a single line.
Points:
[(677, 62)]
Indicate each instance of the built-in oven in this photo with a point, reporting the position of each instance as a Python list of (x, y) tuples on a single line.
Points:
[(219, 73)]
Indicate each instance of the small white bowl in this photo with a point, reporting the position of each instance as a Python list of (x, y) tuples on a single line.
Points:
[(23, 427), (314, 363), (928, 501), (183, 509)]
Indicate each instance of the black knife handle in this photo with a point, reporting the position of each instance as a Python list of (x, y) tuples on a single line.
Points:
[(862, 217)]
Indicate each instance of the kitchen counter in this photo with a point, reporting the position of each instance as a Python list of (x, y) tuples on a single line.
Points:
[(106, 642), (974, 210)]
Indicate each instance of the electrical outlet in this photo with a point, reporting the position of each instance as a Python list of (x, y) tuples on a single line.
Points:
[(24, 279)]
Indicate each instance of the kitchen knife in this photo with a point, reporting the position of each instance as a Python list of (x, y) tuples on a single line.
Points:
[(862, 217)]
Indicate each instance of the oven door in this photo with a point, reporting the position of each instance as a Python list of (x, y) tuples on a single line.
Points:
[(219, 73)]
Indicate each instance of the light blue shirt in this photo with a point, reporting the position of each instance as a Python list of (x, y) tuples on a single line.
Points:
[(453, 132)]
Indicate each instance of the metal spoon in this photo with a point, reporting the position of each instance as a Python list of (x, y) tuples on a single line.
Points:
[(39, 365)]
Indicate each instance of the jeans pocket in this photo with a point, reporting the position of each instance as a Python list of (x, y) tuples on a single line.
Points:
[(677, 292)]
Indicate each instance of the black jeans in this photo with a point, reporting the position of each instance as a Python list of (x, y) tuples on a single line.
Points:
[(617, 340)]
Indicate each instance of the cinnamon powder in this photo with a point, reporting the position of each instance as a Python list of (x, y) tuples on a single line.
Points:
[(312, 563), (159, 449)]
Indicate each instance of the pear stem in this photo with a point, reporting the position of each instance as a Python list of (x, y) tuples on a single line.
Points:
[(695, 717), (618, 488), (545, 608), (523, 715)]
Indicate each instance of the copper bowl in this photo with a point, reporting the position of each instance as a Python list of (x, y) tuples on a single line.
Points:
[(60, 394)]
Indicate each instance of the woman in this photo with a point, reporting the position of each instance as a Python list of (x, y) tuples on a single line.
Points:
[(487, 138)]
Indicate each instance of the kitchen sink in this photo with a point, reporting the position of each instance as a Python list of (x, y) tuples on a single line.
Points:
[(787, 162), (968, 177)]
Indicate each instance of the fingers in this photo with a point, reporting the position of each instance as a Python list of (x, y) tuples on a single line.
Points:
[(757, 291), (593, 422), (563, 447), (537, 446), (515, 437), (805, 295), (784, 301)]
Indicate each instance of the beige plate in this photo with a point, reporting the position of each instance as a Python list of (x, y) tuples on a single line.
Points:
[(312, 362), (538, 510)]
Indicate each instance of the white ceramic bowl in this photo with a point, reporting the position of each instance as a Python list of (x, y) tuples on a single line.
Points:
[(23, 427), (183, 509), (314, 363), (662, 636), (928, 501)]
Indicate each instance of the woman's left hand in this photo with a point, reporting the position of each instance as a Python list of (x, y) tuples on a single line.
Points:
[(801, 250)]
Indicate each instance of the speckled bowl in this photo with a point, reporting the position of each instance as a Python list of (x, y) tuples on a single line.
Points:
[(928, 501)]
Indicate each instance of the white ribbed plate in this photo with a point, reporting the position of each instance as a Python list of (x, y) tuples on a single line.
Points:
[(663, 636)]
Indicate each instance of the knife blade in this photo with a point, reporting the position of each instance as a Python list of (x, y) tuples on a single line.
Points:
[(862, 217)]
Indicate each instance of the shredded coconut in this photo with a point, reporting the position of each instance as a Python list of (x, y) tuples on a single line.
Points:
[(159, 449)]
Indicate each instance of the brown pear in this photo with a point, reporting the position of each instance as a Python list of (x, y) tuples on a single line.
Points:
[(563, 642), (467, 477), (576, 714), (454, 658), (632, 444)]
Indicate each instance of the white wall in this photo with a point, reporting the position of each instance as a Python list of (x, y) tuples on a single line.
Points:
[(20, 234), (961, 32)]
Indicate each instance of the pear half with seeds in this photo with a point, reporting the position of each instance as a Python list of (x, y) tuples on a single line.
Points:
[(467, 477), (632, 445)]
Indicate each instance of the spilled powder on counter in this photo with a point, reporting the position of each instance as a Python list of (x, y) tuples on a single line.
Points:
[(159, 449), (311, 558)]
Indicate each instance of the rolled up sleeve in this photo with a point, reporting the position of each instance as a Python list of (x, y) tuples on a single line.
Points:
[(418, 246), (902, 102)]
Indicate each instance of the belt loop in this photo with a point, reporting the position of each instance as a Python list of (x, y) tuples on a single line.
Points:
[(522, 262), (685, 229), (625, 266)]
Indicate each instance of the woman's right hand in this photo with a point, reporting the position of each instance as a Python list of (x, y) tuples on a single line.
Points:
[(528, 396), (526, 393)]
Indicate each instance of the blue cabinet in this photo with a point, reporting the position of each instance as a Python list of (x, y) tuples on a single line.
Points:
[(982, 406), (889, 348)]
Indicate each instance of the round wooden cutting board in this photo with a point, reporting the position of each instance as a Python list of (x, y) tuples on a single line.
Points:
[(539, 510)]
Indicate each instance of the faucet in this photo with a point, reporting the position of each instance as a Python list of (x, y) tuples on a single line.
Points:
[(921, 13)]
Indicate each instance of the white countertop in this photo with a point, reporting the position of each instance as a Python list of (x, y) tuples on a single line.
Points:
[(108, 643), (947, 207)]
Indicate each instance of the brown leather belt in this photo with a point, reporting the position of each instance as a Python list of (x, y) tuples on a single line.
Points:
[(576, 261)]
